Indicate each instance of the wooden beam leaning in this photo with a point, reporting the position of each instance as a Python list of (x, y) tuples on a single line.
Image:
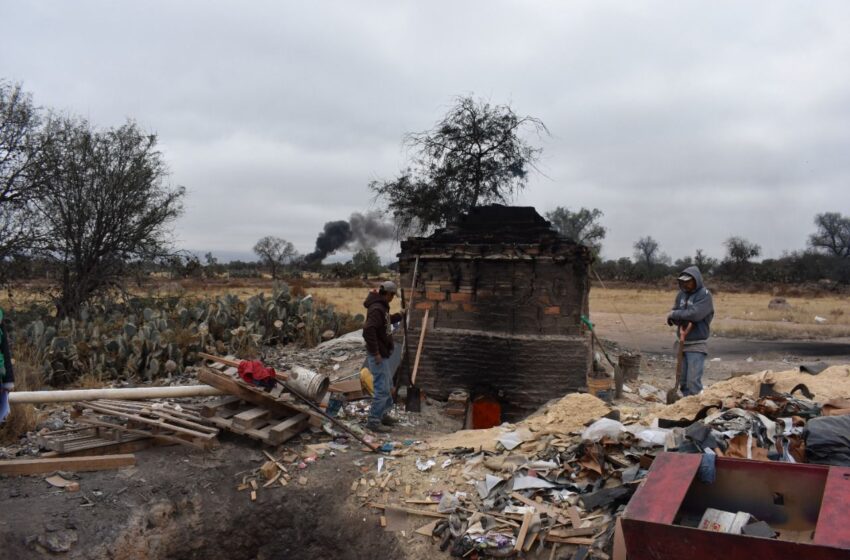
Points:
[(75, 464), (227, 384)]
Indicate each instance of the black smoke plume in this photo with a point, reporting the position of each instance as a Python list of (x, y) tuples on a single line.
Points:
[(369, 229), (361, 231)]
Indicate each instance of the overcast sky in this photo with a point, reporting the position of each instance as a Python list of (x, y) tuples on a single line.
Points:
[(687, 121)]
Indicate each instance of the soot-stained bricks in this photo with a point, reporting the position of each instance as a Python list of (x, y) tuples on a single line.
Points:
[(505, 294)]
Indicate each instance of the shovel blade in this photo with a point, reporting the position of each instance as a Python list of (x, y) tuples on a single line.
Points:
[(414, 400)]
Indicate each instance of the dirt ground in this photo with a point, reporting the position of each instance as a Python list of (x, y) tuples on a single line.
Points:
[(181, 504), (727, 356), (184, 504)]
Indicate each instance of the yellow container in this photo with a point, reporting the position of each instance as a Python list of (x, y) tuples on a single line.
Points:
[(596, 385)]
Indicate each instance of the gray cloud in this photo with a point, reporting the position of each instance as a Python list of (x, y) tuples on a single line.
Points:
[(688, 121)]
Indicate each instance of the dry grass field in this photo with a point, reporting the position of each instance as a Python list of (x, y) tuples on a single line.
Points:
[(737, 314)]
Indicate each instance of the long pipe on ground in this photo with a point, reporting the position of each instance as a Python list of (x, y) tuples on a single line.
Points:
[(140, 393)]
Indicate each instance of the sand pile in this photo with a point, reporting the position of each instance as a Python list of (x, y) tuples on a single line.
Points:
[(832, 383), (569, 414)]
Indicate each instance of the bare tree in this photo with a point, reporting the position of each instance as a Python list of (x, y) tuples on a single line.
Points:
[(275, 252), (104, 203), (703, 262), (648, 252), (473, 156), (581, 226), (20, 153), (833, 234), (739, 251)]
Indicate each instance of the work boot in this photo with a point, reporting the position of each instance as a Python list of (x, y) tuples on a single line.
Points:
[(374, 426), (388, 420)]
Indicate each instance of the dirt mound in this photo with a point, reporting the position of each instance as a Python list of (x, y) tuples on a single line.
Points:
[(568, 414), (833, 382)]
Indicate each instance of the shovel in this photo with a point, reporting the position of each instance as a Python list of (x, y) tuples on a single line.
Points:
[(673, 394), (400, 389), (414, 402)]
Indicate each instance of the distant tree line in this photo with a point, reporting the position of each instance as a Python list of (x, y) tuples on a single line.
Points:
[(826, 258)]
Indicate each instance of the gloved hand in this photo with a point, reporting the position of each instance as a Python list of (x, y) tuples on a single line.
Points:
[(670, 321)]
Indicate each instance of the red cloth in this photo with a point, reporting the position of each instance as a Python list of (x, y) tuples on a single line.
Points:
[(256, 373)]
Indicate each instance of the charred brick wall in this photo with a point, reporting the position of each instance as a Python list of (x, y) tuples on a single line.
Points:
[(504, 294), (522, 371), (504, 324)]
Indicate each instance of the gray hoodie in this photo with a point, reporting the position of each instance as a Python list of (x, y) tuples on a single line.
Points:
[(697, 308)]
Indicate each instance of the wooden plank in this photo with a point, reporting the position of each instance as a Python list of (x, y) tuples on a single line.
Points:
[(210, 409), (195, 430), (523, 530), (168, 410), (201, 443), (228, 384), (550, 510), (251, 418), (412, 511), (288, 429), (575, 518), (570, 540), (73, 464), (581, 532), (112, 448)]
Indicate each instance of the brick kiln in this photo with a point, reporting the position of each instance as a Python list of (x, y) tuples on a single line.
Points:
[(505, 294)]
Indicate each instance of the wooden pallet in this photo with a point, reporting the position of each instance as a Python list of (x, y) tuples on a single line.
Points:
[(84, 438), (163, 421), (272, 428)]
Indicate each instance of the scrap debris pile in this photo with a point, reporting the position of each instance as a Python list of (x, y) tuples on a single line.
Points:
[(562, 477), (102, 426)]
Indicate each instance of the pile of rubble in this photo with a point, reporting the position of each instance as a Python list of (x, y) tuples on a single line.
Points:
[(559, 480)]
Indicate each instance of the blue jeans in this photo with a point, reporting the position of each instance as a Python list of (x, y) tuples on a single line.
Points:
[(382, 401), (692, 368)]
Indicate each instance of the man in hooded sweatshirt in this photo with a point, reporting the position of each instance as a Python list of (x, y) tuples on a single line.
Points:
[(378, 334), (694, 305)]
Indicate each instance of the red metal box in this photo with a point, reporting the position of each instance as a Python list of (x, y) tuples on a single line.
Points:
[(808, 505)]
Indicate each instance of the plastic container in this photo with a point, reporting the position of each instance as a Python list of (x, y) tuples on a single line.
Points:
[(486, 413), (598, 385), (309, 383)]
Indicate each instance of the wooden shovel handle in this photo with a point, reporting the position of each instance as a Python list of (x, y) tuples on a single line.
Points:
[(419, 348), (683, 332)]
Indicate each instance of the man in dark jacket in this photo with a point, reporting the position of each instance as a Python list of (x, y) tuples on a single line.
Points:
[(694, 305), (378, 334), (7, 375)]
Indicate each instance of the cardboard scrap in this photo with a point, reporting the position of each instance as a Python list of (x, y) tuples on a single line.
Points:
[(59, 482)]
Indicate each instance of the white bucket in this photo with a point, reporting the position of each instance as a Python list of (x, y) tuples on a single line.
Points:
[(309, 383)]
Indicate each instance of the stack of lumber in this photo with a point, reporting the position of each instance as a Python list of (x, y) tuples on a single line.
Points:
[(163, 421)]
